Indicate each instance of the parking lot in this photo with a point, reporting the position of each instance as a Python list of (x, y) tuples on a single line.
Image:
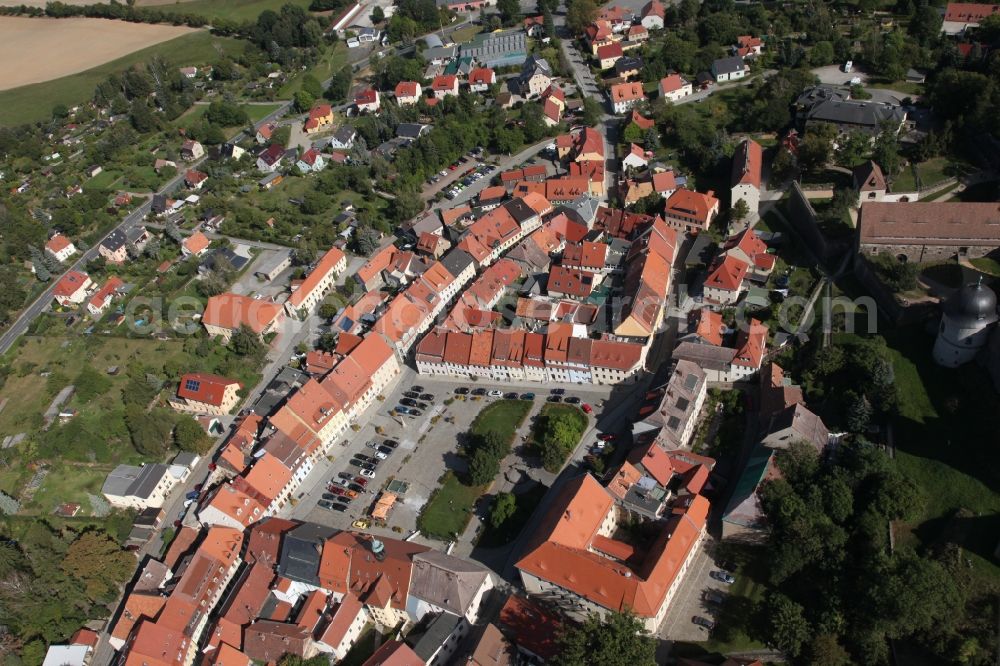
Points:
[(459, 175), (692, 601), (428, 445)]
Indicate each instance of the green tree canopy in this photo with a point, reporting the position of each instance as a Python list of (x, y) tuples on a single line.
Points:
[(621, 640)]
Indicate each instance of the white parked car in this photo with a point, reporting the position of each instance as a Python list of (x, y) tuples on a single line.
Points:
[(380, 455), (368, 473), (495, 393)]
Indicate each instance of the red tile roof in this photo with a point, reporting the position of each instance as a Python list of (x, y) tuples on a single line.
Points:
[(969, 12), (570, 281), (482, 75), (612, 50), (196, 242), (204, 387), (406, 89), (672, 83), (627, 92), (444, 82), (751, 345), (57, 243), (747, 163), (728, 274), (323, 268), (641, 121), (230, 311), (70, 283), (531, 626), (691, 205)]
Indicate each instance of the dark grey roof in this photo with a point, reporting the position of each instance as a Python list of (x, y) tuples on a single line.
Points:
[(428, 636), (344, 134), (411, 130), (535, 64), (456, 261), (628, 63), (118, 238), (855, 112), (973, 302), (744, 505), (519, 210), (186, 458), (132, 481), (728, 65), (698, 252), (583, 208), (301, 551), (445, 581), (237, 261), (705, 356), (439, 53), (432, 41)]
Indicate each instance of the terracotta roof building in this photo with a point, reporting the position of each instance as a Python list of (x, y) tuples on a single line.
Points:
[(204, 393), (225, 313), (931, 231), (577, 557)]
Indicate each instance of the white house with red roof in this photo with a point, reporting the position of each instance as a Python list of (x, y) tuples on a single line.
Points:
[(551, 112), (748, 47), (264, 133), (195, 245), (635, 159), (445, 85), (653, 15), (72, 288), (960, 16), (368, 100), (195, 179), (624, 96), (204, 393), (60, 247), (746, 176), (481, 78), (408, 92), (675, 87), (689, 211), (102, 298), (310, 161), (724, 283)]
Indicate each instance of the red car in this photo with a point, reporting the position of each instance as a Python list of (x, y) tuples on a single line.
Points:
[(607, 437), (335, 490), (361, 481), (587, 409)]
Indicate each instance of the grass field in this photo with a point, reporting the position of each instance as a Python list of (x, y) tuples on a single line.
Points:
[(233, 10), (35, 102), (103, 180), (503, 417), (448, 512), (945, 439), (334, 59), (254, 111)]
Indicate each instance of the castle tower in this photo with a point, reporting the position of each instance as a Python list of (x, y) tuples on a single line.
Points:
[(965, 324)]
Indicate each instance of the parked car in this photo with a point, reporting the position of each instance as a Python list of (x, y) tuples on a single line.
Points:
[(335, 483), (558, 391), (361, 481), (361, 456), (325, 504), (573, 400), (409, 402), (411, 394), (356, 488), (422, 405), (703, 622), (510, 396), (339, 507), (461, 390), (332, 496), (427, 396), (380, 455), (599, 445), (360, 524), (714, 597), (416, 412), (384, 450), (372, 444), (344, 475), (554, 398), (587, 409), (723, 576), (495, 394), (527, 396), (402, 410), (416, 388), (607, 437), (370, 473), (391, 443), (479, 391)]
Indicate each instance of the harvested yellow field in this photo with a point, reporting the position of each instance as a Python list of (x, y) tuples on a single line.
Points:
[(39, 49)]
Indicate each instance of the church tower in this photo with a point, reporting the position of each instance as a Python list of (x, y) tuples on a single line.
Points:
[(965, 324)]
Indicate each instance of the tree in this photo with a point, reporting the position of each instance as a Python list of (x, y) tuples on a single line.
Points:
[(591, 111), (365, 240), (483, 467), (312, 86), (340, 86), (226, 114), (821, 54), (632, 134), (509, 10), (740, 210), (509, 139), (99, 562), (149, 431), (789, 629), (824, 650), (190, 436), (859, 414), (886, 153), (503, 508), (327, 342), (853, 150), (580, 14), (328, 310), (925, 25), (377, 15), (303, 101), (90, 384), (815, 148), (619, 641), (245, 342)]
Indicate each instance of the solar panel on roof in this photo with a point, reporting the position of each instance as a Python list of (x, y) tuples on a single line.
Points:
[(192, 384)]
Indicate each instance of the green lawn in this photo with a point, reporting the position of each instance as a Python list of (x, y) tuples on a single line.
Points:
[(987, 265), (255, 112), (334, 59), (503, 417), (465, 34), (945, 439), (30, 103), (448, 512), (233, 10), (103, 181)]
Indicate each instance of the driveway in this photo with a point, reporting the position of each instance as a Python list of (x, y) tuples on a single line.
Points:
[(689, 600), (834, 74)]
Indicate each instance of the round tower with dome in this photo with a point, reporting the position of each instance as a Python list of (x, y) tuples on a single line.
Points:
[(969, 315)]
